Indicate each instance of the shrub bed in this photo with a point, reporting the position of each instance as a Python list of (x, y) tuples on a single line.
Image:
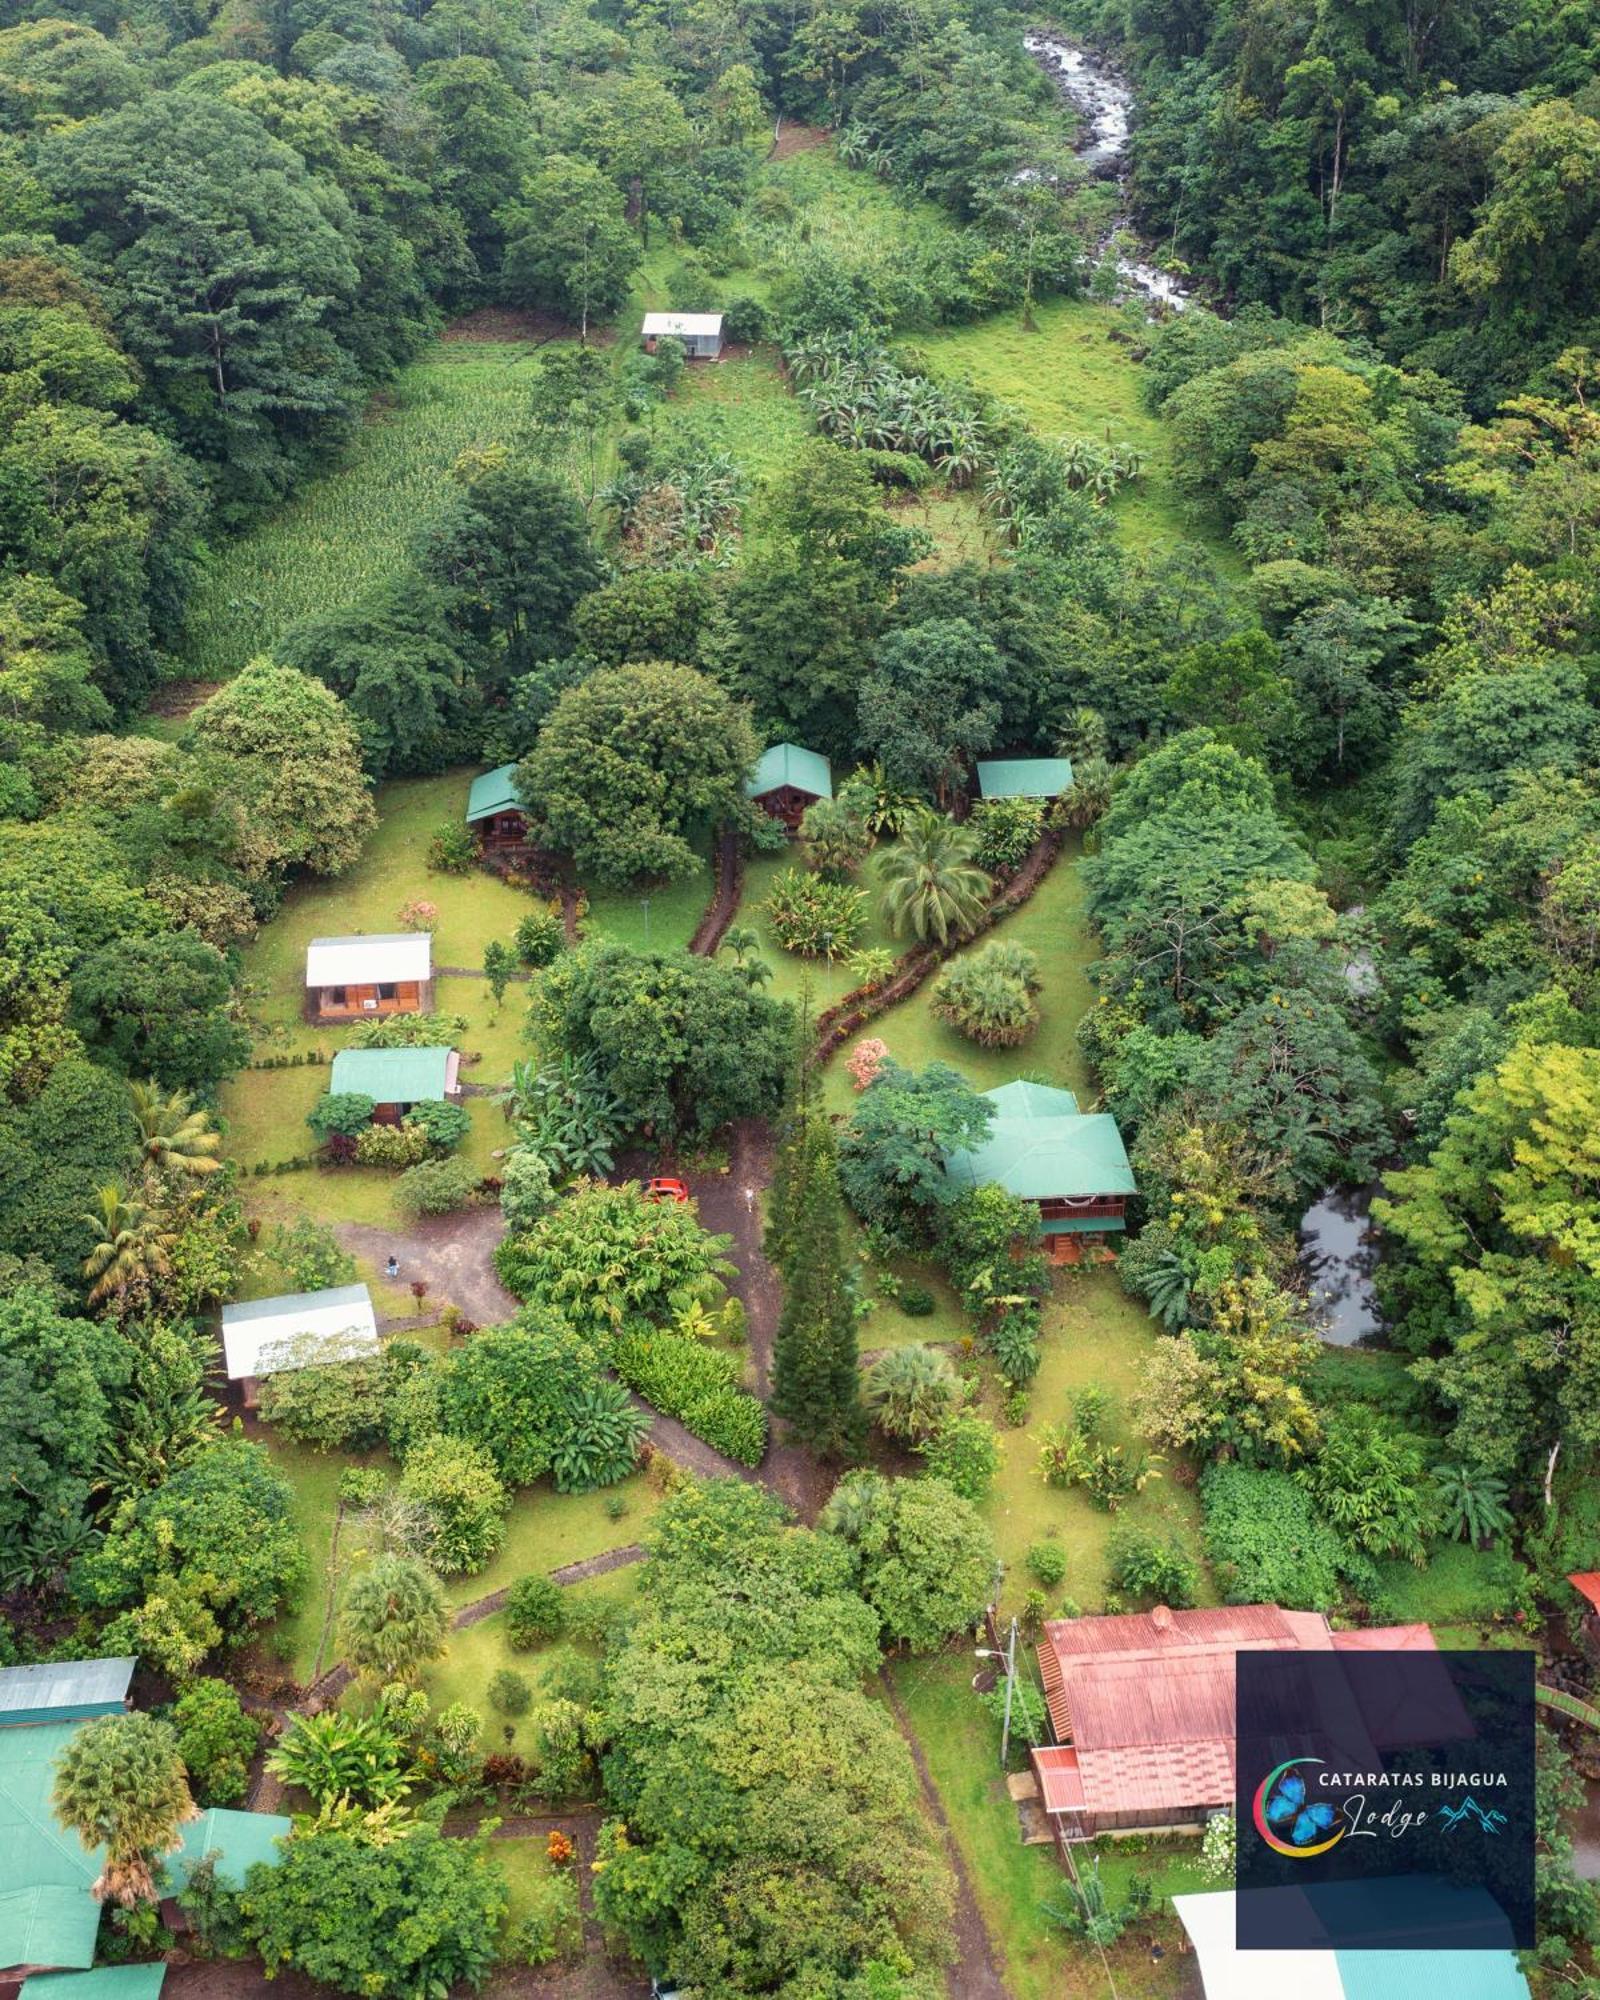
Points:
[(698, 1385)]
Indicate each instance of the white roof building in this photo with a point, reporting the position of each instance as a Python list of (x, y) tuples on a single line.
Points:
[(369, 960), (299, 1330), (682, 326)]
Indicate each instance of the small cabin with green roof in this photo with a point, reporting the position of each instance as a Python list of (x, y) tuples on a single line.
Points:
[(1072, 1165), (396, 1079), (1024, 777), (495, 811), (786, 780)]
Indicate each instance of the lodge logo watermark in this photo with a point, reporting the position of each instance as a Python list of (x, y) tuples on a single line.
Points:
[(1302, 1808)]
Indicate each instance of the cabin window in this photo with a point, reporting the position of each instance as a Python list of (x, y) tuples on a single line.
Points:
[(334, 996), (386, 989)]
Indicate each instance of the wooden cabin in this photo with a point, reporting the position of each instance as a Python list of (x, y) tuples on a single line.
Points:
[(296, 1330), (355, 978), (699, 334), (495, 811), (397, 1079), (787, 779), (1071, 1165)]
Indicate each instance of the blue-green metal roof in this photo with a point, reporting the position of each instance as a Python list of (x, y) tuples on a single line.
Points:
[(238, 1839), (47, 1916), (790, 764), (1041, 1147), (1024, 777), (63, 1690), (1454, 1975), (392, 1076), (494, 792), (48, 1925), (106, 1982)]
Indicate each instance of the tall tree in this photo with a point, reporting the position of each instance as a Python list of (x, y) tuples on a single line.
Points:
[(120, 1784), (815, 1384)]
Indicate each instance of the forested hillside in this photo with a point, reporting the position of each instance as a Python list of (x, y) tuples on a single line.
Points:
[(1108, 624)]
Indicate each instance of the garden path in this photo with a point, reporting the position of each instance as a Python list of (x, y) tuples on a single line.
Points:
[(974, 1975)]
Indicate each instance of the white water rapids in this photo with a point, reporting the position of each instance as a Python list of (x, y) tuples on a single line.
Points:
[(1104, 104)]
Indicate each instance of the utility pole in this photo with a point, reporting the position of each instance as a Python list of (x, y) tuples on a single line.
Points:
[(1009, 1655)]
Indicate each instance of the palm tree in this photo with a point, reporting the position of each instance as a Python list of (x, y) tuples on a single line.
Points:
[(132, 1243), (910, 1391), (395, 1618), (1473, 1502), (172, 1133), (120, 1784), (932, 887)]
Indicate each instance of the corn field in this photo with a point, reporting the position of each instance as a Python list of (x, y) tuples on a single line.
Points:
[(350, 526)]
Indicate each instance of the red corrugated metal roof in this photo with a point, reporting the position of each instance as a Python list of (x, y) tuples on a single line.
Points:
[(1060, 1786), (1147, 1698), (1587, 1583)]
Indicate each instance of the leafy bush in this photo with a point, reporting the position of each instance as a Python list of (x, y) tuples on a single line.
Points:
[(435, 1187), (408, 1031), (391, 1146), (1145, 1565), (989, 995), (216, 1740), (456, 1483), (509, 1692), (451, 848), (963, 1453), (535, 1611), (745, 319), (915, 1302), (697, 1384), (526, 1187), (599, 1437), (552, 1928), (1013, 1341), (334, 1407), (1048, 1562), (540, 935), (813, 916), (1006, 830), (1266, 1542), (337, 1754), (443, 1124), (347, 1112)]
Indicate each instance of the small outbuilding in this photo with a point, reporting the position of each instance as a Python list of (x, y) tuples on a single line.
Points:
[(1024, 777), (786, 780), (1071, 1165), (700, 333), (355, 978), (64, 1691), (396, 1079), (298, 1330), (495, 811)]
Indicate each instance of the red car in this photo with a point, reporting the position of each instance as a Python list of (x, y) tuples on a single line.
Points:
[(660, 1189)]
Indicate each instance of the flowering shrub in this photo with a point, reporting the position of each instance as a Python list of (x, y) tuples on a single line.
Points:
[(559, 1849), (865, 1060), (418, 914)]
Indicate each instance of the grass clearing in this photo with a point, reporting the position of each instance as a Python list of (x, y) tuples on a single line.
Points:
[(350, 527), (743, 404), (1052, 923), (1071, 376), (1013, 1882)]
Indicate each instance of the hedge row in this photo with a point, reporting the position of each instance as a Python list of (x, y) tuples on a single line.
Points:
[(698, 1385)]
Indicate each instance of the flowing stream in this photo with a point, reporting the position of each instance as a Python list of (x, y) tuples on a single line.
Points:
[(1104, 106)]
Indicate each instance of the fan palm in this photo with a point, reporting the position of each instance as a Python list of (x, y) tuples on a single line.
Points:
[(172, 1133), (120, 1785), (910, 1391), (932, 886), (132, 1243)]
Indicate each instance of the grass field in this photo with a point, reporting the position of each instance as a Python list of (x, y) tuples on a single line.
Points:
[(1051, 924), (351, 526), (1071, 378), (1013, 1883)]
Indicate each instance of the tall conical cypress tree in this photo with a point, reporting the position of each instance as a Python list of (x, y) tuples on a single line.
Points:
[(815, 1384)]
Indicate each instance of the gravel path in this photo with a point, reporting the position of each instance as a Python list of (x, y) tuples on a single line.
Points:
[(453, 1253)]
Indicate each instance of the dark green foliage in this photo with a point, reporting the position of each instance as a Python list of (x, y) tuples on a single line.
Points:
[(509, 1692), (683, 1043), (435, 1187), (216, 1740), (540, 937), (698, 1384), (1267, 1543), (160, 1007), (56, 1152), (445, 1124), (535, 1611), (1144, 1564), (892, 1153), (815, 1380), (347, 1112), (924, 1556)]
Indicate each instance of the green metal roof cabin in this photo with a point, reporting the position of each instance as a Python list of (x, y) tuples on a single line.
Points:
[(238, 1840), (788, 778), (1071, 1165), (64, 1691), (495, 792), (1024, 777), (106, 1982), (396, 1076)]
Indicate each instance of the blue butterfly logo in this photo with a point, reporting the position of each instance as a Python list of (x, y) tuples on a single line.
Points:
[(1291, 1818)]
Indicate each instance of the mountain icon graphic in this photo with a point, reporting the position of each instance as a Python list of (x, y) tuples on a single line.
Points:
[(1488, 1818)]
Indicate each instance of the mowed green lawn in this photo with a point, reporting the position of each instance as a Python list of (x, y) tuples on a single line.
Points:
[(352, 525), (1070, 377)]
